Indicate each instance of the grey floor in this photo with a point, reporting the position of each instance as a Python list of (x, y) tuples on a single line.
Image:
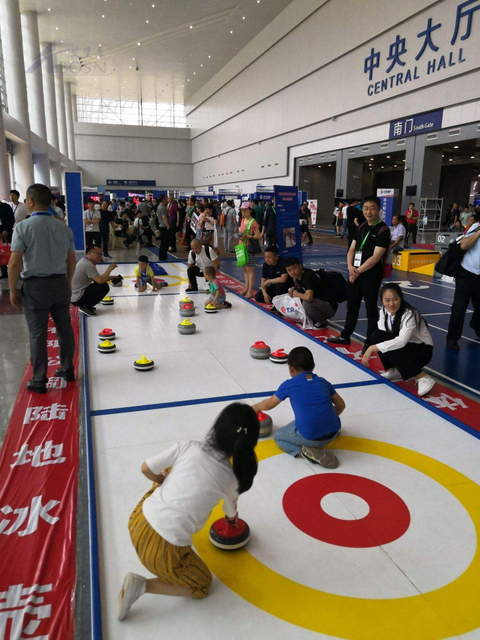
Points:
[(14, 354)]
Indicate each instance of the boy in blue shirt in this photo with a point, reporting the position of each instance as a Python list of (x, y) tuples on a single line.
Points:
[(316, 406)]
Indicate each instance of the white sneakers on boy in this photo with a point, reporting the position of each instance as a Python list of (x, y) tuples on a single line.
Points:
[(392, 374), (323, 457), (133, 587), (425, 385)]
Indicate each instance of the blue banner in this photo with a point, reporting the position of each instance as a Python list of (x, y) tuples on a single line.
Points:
[(131, 183), (288, 226), (415, 125), (74, 204)]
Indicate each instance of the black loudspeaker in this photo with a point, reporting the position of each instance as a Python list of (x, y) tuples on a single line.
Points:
[(339, 193), (411, 190)]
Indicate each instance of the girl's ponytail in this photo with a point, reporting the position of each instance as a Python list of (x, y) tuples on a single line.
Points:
[(235, 433)]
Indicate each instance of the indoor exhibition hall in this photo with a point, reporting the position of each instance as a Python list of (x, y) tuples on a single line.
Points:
[(239, 319)]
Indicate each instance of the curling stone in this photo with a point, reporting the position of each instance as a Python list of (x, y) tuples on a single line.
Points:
[(186, 300), (161, 283), (210, 308), (260, 351), (117, 281), (107, 333), (279, 356), (187, 310), (143, 364), (228, 536), (186, 327), (266, 424), (107, 347), (107, 300)]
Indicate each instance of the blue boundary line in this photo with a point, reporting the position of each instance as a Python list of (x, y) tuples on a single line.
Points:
[(230, 398), (92, 503), (419, 401)]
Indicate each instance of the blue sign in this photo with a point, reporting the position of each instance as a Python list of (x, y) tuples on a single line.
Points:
[(389, 200), (131, 183), (414, 125), (288, 226), (74, 202), (412, 59)]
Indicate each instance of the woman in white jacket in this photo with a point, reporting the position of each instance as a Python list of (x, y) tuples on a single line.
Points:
[(402, 340)]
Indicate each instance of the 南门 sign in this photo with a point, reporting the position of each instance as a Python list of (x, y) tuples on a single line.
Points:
[(414, 125)]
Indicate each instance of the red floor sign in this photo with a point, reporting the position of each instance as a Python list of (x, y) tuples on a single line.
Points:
[(38, 501)]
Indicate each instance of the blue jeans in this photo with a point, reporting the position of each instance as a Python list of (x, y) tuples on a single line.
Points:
[(290, 440)]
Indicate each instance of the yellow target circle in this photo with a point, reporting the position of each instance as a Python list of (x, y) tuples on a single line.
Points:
[(448, 611)]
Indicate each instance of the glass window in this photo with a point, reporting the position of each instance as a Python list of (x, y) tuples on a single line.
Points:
[(133, 112)]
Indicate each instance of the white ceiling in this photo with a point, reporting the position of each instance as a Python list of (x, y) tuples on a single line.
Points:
[(173, 60)]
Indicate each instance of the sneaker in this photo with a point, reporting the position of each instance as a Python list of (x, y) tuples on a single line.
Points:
[(453, 345), (323, 457), (425, 385), (69, 377), (189, 290), (133, 587), (392, 374), (338, 340), (88, 311), (320, 325), (228, 305)]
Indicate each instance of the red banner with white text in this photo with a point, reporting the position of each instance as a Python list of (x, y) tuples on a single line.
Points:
[(38, 501)]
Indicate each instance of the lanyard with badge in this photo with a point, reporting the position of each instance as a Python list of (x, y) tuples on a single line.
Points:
[(357, 260)]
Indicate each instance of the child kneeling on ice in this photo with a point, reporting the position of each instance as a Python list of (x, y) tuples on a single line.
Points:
[(316, 406), (189, 480)]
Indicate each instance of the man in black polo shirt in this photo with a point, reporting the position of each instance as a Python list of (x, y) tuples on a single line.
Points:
[(365, 268), (275, 279), (354, 220), (313, 292)]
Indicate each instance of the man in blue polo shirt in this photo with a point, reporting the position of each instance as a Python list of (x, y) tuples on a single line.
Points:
[(316, 406)]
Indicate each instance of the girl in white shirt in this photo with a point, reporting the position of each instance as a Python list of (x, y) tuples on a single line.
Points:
[(189, 480), (402, 340)]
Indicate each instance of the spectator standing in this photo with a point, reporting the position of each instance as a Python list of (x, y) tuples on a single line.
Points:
[(338, 213), (104, 226), (313, 293), (354, 220), (88, 286), (412, 217), (20, 210), (465, 215), (189, 233), (142, 229), (200, 256), (163, 221), (7, 220), (365, 269), (231, 227), (305, 219), (275, 279), (91, 219), (467, 287), (172, 210), (250, 234), (46, 248)]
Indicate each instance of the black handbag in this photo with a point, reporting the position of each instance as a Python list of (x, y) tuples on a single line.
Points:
[(450, 262)]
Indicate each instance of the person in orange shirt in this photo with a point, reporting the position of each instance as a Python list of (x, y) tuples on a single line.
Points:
[(412, 216)]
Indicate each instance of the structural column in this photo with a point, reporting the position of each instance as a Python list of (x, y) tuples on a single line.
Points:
[(49, 93), (31, 47), (16, 89), (74, 107), (5, 185), (56, 175), (69, 114), (61, 116)]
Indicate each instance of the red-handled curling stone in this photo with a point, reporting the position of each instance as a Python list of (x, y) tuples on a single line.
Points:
[(107, 333), (229, 536), (279, 356), (266, 424), (260, 351)]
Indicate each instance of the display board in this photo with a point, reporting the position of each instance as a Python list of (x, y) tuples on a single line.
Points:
[(288, 226)]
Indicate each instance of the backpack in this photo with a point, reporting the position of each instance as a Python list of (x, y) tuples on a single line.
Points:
[(335, 283), (207, 251)]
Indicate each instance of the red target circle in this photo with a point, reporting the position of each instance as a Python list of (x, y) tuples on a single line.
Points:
[(388, 519)]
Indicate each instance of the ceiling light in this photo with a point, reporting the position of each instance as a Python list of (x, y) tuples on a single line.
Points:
[(243, 18), (371, 158), (56, 28), (472, 157), (61, 41), (153, 6), (188, 79), (133, 58), (382, 167), (139, 43), (209, 56), (443, 156), (129, 67), (456, 146), (194, 73), (231, 31), (99, 45), (98, 57), (48, 9), (103, 15), (191, 26), (183, 86), (201, 65), (403, 160), (146, 21), (388, 156), (450, 159)]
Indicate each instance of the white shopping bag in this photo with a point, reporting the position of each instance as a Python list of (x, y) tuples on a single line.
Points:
[(215, 238), (292, 308)]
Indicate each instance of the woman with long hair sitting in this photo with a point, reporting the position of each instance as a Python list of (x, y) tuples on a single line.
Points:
[(402, 340)]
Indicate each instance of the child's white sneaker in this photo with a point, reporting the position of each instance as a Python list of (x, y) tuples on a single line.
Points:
[(425, 385), (133, 587), (392, 374)]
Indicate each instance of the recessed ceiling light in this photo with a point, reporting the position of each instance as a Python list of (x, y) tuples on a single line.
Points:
[(201, 65), (450, 159), (472, 157), (382, 167), (133, 58), (146, 21), (139, 43), (209, 56), (388, 156), (98, 57), (443, 156), (56, 28), (188, 79), (48, 9), (103, 15), (61, 41), (194, 73), (191, 26), (243, 18), (183, 86), (231, 31), (456, 146), (129, 67), (153, 6), (371, 158)]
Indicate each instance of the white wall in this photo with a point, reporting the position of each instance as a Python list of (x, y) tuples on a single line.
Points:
[(134, 153), (307, 67)]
